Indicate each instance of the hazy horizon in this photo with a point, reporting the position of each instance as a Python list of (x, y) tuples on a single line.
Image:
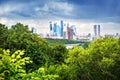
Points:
[(81, 13)]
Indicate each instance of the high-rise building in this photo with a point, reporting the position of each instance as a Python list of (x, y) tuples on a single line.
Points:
[(74, 29), (95, 30), (61, 32), (64, 35), (70, 33), (33, 30), (51, 28), (55, 29), (99, 30), (65, 31), (58, 30)]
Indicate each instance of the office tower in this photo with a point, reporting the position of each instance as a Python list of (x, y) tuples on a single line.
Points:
[(64, 35), (99, 30), (95, 30), (61, 32), (58, 30), (51, 28), (55, 29), (70, 33), (74, 29), (117, 34), (33, 30), (65, 32)]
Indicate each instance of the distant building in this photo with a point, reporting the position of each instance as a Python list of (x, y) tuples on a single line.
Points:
[(33, 30), (50, 26), (70, 33), (117, 35), (65, 32), (65, 35), (55, 29), (99, 30), (74, 29), (51, 29), (61, 32), (95, 30), (58, 30)]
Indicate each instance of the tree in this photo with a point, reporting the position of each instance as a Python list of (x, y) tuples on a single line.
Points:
[(3, 35), (12, 67), (57, 54), (105, 54), (20, 38), (100, 61), (78, 60)]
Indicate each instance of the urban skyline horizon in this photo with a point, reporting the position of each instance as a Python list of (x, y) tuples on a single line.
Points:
[(83, 28), (81, 13)]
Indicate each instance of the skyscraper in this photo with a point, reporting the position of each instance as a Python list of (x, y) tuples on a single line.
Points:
[(58, 30), (61, 30), (33, 30), (74, 29), (55, 29), (98, 30), (70, 33), (51, 28), (95, 30)]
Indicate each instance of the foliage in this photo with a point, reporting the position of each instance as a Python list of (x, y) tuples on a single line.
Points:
[(20, 38), (12, 67), (64, 41), (57, 54), (40, 74), (3, 35), (33, 58), (100, 61)]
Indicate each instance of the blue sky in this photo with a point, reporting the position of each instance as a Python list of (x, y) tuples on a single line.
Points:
[(78, 12)]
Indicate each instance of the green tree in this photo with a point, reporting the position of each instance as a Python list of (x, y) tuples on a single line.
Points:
[(40, 74), (3, 35), (57, 53), (78, 61), (100, 61), (12, 67), (105, 58), (20, 38)]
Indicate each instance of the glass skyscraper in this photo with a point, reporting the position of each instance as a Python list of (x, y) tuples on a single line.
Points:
[(55, 29), (61, 30)]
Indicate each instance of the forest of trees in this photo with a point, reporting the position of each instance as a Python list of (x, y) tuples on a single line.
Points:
[(27, 56), (65, 41)]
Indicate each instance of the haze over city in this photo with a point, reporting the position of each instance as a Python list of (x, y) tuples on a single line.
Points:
[(81, 13)]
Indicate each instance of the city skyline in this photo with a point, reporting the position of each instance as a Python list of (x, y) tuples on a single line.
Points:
[(81, 13)]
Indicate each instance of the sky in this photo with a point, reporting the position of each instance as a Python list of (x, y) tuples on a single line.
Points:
[(81, 13)]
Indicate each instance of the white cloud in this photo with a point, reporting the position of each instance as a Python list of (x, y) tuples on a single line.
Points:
[(56, 7), (4, 9), (45, 8), (42, 26), (63, 7)]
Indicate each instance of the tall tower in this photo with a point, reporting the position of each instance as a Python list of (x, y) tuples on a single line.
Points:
[(98, 30), (95, 30), (55, 29), (61, 32), (74, 29), (51, 28), (33, 30), (70, 32)]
